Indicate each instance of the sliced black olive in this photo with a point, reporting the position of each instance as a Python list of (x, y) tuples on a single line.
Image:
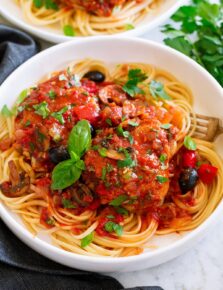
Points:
[(95, 76), (58, 154), (188, 179)]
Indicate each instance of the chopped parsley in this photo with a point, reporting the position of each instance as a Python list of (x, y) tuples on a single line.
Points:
[(103, 175), (157, 90), (121, 210), (102, 152), (67, 203), (113, 227), (162, 179), (165, 126), (27, 123), (62, 77), (48, 4), (135, 77), (59, 115), (134, 124), (110, 216), (87, 240), (125, 134), (52, 94), (42, 109), (6, 112), (68, 30), (118, 200), (109, 122), (163, 158)]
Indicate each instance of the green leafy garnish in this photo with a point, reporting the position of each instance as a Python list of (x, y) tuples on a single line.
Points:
[(42, 109), (27, 123), (119, 200), (165, 126), (103, 175), (52, 94), (135, 77), (121, 210), (22, 96), (102, 152), (162, 179), (6, 112), (50, 221), (69, 171), (59, 115), (113, 227), (109, 122), (67, 203), (87, 240), (199, 34), (68, 30), (189, 143), (157, 90), (129, 26), (134, 124), (128, 161), (49, 4), (163, 158), (125, 134)]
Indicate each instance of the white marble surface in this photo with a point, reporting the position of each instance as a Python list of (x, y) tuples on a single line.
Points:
[(201, 268)]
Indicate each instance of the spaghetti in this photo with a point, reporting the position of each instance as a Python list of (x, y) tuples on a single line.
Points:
[(102, 161), (86, 18)]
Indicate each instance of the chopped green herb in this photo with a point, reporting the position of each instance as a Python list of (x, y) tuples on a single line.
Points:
[(165, 126), (110, 216), (102, 152), (123, 118), (162, 179), (189, 143), (42, 109), (38, 3), (6, 112), (50, 4), (50, 221), (59, 115), (125, 134), (22, 96), (103, 175), (121, 210), (119, 200), (157, 90), (67, 203), (135, 77), (62, 77), (113, 227), (109, 122), (163, 158), (134, 124), (87, 240), (68, 30), (52, 94), (129, 27), (32, 146), (109, 167), (27, 123), (95, 147)]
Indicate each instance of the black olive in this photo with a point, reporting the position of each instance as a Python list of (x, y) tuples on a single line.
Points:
[(95, 76), (188, 179), (58, 154), (93, 131)]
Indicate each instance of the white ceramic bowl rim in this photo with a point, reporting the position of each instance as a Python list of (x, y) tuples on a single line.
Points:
[(57, 38), (20, 230)]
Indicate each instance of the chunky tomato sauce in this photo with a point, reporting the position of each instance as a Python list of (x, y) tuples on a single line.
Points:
[(98, 7), (130, 165)]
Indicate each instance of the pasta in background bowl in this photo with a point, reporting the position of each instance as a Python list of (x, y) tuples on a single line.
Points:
[(144, 57), (64, 20)]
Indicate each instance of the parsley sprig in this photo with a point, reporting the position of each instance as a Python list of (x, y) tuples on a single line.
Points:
[(135, 77), (199, 35)]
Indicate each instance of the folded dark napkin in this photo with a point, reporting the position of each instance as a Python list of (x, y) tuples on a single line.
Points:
[(20, 267)]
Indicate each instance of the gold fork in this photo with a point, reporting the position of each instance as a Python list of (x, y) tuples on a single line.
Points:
[(207, 128)]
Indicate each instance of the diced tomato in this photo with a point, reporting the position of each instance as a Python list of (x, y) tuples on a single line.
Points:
[(207, 173), (189, 158), (88, 112)]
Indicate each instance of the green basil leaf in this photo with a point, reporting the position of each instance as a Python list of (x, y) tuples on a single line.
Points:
[(22, 96), (42, 109), (121, 210), (65, 174), (119, 200), (87, 240), (189, 143), (118, 229), (79, 140)]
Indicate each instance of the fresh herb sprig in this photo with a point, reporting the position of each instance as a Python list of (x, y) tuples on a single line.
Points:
[(135, 77), (69, 171), (200, 35)]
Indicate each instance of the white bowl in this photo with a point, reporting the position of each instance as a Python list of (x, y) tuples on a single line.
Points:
[(11, 11), (208, 99)]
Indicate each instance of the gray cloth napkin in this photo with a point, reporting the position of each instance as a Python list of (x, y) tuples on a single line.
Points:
[(20, 267)]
